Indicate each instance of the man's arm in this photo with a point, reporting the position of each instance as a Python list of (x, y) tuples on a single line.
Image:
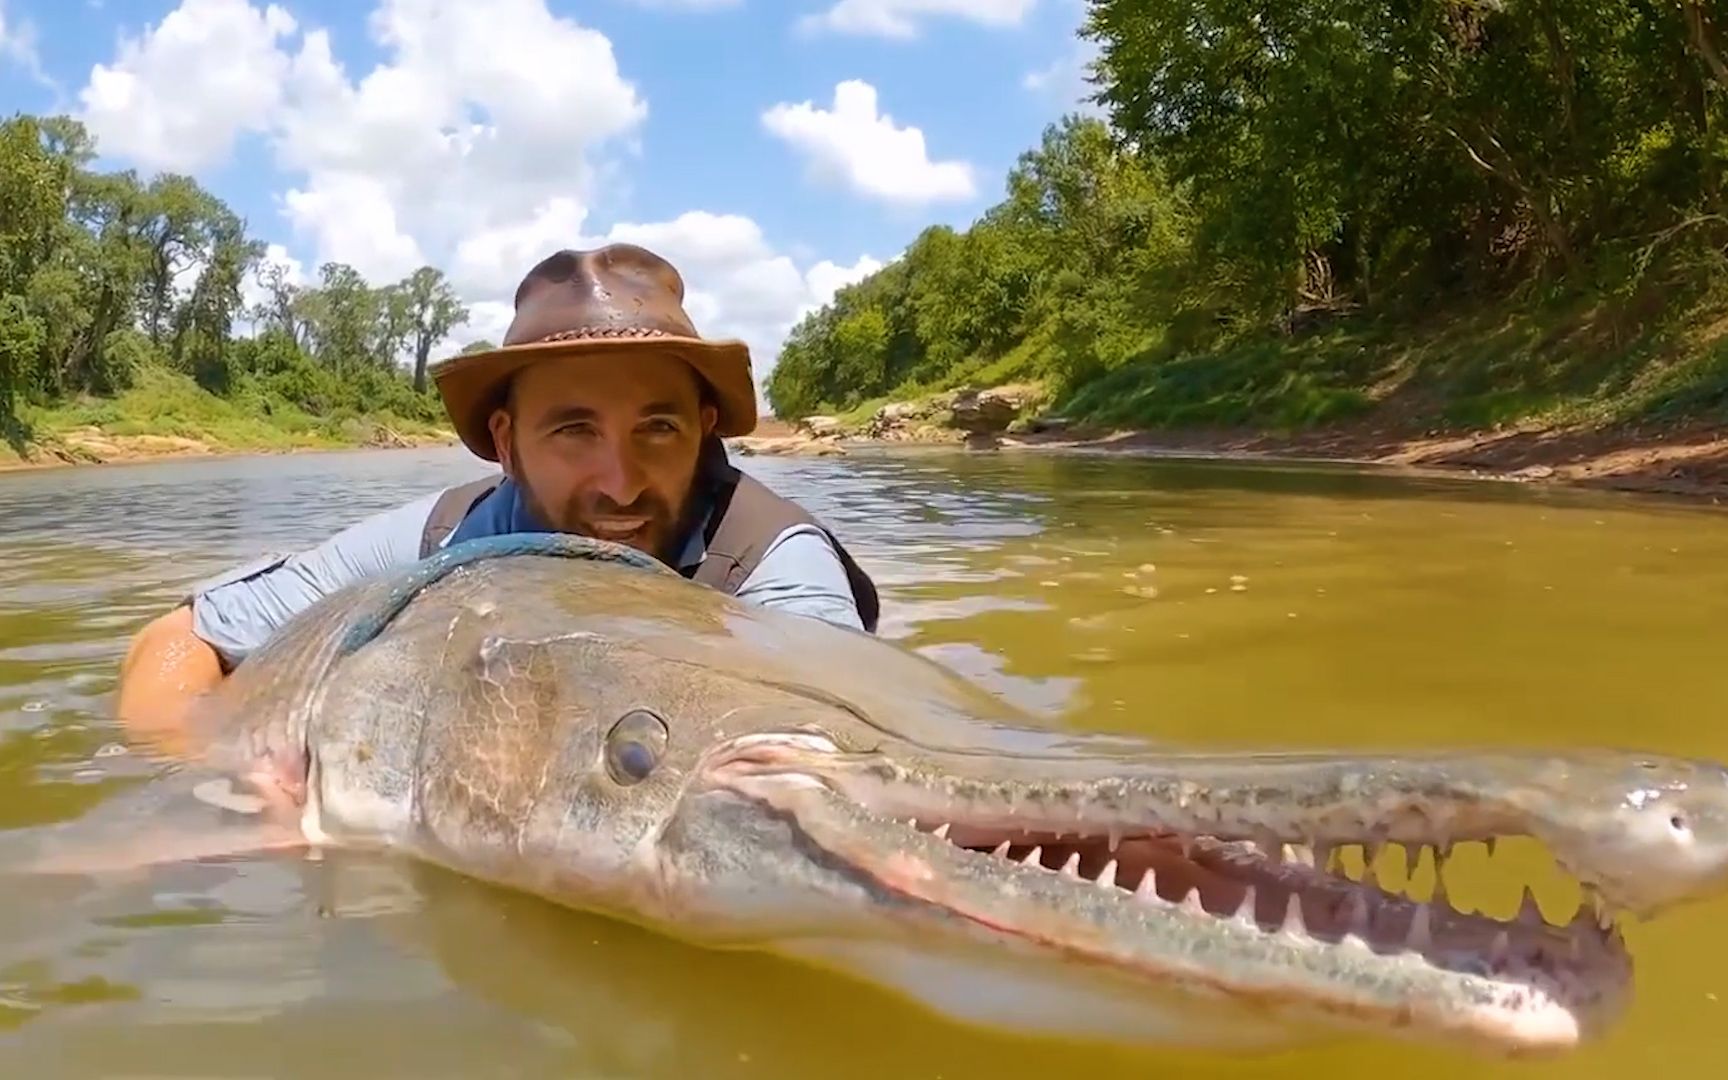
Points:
[(179, 655), (802, 573)]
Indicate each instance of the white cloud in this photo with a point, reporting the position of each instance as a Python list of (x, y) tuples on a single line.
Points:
[(18, 46), (900, 18), (176, 97), (1064, 80), (475, 144), (687, 5), (481, 121), (855, 145), (352, 219)]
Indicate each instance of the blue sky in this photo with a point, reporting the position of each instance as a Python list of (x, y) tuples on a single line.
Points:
[(480, 136)]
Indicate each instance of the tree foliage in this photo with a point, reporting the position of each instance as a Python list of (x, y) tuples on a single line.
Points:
[(1269, 165), (104, 273)]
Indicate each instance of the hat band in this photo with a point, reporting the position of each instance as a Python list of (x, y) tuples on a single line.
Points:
[(604, 332)]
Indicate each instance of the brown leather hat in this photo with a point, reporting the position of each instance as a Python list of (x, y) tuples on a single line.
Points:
[(605, 305)]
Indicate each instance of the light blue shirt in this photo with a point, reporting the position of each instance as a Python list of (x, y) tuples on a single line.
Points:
[(236, 612)]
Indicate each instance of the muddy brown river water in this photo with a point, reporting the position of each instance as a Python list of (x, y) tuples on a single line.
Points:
[(1208, 602)]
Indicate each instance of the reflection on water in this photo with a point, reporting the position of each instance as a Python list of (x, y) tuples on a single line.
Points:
[(1195, 602)]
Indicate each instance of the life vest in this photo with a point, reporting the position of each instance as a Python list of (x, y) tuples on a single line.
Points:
[(746, 519)]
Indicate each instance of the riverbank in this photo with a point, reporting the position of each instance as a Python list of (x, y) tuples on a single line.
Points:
[(1628, 392), (1689, 461), (166, 415), (92, 446)]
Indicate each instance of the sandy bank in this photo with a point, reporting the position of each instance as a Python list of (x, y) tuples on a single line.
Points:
[(1690, 461), (92, 446)]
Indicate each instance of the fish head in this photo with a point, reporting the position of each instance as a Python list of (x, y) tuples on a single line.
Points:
[(1648, 832)]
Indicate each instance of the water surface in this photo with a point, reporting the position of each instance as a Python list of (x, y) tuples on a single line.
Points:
[(1208, 602)]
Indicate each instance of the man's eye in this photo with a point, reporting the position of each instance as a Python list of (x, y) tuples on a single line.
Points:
[(662, 427)]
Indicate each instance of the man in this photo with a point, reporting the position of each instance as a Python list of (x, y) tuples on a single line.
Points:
[(604, 409)]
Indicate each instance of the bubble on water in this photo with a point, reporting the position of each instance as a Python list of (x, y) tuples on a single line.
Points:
[(1147, 568), (35, 706), (87, 774), (112, 749), (1149, 592)]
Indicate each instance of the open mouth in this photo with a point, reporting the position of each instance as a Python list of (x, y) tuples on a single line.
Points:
[(1312, 896), (1284, 927), (1281, 927)]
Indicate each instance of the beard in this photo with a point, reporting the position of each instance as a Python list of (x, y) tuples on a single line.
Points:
[(661, 535)]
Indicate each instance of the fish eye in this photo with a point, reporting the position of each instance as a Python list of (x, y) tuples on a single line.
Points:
[(634, 746)]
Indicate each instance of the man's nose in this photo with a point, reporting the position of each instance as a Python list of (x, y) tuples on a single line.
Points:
[(621, 479)]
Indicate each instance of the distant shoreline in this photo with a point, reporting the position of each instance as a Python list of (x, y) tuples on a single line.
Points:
[(87, 447), (1689, 462)]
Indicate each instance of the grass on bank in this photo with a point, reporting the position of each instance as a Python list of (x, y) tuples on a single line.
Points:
[(1578, 358), (164, 403)]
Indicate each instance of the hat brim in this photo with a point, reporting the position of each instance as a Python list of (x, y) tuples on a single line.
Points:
[(472, 385)]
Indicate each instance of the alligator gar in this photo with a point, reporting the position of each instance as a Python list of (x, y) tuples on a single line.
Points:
[(571, 719)]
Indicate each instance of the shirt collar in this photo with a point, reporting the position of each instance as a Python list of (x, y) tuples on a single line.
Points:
[(695, 548)]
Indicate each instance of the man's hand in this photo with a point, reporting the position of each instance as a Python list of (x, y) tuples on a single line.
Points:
[(166, 667)]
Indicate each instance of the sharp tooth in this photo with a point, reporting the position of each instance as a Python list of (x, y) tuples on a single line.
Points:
[(1071, 868), (1031, 858), (1107, 878), (912, 821), (1412, 857), (1245, 910), (1439, 897), (1488, 845), (1191, 903), (1421, 935), (1499, 950), (1294, 924), (941, 832), (1323, 851), (1115, 837), (1529, 911), (1300, 854), (1269, 845), (1001, 851), (1148, 887), (1600, 915), (1370, 877)]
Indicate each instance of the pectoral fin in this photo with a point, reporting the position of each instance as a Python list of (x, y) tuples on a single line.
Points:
[(182, 818)]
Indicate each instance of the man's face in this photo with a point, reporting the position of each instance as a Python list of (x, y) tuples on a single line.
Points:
[(605, 448)]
